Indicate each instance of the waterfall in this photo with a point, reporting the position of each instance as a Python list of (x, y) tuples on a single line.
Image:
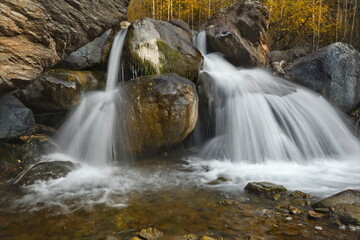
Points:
[(91, 133), (260, 117)]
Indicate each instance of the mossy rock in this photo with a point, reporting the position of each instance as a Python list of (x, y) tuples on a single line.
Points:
[(155, 47), (58, 89), (265, 188)]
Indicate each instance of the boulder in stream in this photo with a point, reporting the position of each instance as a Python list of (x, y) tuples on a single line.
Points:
[(240, 33), (44, 171), (264, 188), (154, 47), (333, 72), (348, 196), (161, 111)]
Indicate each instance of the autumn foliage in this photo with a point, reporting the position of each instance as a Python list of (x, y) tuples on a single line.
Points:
[(292, 22)]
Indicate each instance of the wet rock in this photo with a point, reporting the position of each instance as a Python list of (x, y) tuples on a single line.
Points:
[(347, 213), (240, 33), (87, 56), (254, 237), (37, 34), (347, 196), (151, 234), (315, 215), (57, 89), (228, 202), (44, 171), (264, 188), (161, 111), (206, 238), (219, 180), (154, 47), (135, 238), (318, 228), (302, 195), (15, 119), (333, 71), (294, 210)]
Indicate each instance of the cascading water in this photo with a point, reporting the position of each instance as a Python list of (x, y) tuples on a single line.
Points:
[(92, 133), (259, 117), (269, 129)]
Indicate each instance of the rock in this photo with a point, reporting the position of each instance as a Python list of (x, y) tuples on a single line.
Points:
[(347, 213), (297, 52), (278, 68), (87, 56), (318, 228), (37, 34), (15, 119), (240, 33), (57, 89), (44, 171), (154, 47), (278, 56), (254, 237), (9, 164), (161, 111), (206, 238), (151, 234), (264, 188), (333, 71), (294, 211), (347, 196), (181, 24), (315, 215)]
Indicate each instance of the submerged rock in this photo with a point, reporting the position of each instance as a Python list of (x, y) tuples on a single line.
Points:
[(240, 33), (44, 171), (347, 196), (150, 234), (57, 89), (160, 111), (37, 34), (333, 71), (154, 47), (264, 188), (15, 119)]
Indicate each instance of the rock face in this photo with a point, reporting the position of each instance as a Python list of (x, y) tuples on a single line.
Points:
[(240, 33), (333, 71), (15, 119), (87, 56), (154, 47), (44, 171), (36, 34), (57, 89), (161, 111), (347, 213)]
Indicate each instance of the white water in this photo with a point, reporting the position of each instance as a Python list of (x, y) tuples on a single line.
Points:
[(93, 133), (268, 129)]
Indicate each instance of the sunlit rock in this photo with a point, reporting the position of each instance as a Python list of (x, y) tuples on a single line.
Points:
[(154, 47)]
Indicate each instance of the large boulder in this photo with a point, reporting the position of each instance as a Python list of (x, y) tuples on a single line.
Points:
[(154, 47), (161, 111), (15, 119), (57, 89), (36, 34), (240, 33), (333, 71)]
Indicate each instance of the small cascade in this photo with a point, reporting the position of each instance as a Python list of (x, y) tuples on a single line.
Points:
[(91, 133), (260, 117)]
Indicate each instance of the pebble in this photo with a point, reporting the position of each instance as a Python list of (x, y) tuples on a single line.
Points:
[(318, 228), (288, 218)]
